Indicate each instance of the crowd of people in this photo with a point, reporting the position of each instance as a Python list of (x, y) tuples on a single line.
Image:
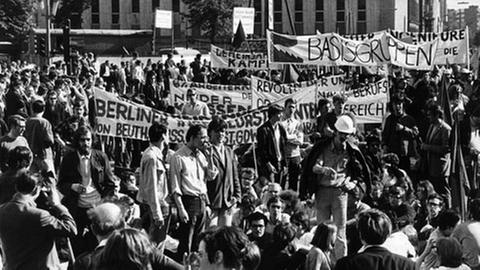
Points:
[(338, 197)]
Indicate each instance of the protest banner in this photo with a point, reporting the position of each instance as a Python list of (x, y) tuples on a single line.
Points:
[(122, 118), (368, 103), (220, 99), (331, 49), (246, 15), (222, 58)]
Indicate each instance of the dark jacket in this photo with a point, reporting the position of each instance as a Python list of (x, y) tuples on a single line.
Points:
[(102, 176), (357, 167), (226, 185), (375, 258), (266, 147), (28, 233)]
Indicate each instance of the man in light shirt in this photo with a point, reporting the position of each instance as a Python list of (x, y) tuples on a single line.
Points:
[(294, 130), (189, 171), (195, 107), (153, 188)]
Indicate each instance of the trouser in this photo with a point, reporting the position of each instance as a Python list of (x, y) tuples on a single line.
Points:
[(221, 217), (189, 232), (441, 186), (293, 165), (157, 234), (332, 203), (84, 240)]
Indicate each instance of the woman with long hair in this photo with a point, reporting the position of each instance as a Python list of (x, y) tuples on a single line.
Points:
[(319, 256)]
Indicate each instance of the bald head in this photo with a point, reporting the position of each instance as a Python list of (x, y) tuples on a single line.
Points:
[(106, 218)]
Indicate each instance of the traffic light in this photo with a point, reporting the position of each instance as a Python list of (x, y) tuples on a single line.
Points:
[(40, 45)]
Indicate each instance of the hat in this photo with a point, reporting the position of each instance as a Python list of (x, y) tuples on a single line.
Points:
[(345, 124), (465, 71)]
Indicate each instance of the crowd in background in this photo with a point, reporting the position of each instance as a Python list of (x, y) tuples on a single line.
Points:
[(341, 197)]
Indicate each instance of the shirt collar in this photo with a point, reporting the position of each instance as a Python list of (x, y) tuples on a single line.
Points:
[(80, 156), (28, 200)]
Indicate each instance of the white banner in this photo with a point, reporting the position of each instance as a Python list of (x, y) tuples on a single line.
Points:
[(163, 19), (247, 16), (221, 58)]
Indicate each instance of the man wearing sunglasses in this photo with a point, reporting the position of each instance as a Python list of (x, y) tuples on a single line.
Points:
[(334, 166)]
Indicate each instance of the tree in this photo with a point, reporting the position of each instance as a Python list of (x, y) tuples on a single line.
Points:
[(476, 39), (213, 16), (15, 20), (69, 9)]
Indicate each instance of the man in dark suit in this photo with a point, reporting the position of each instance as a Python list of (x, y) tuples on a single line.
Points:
[(437, 152), (224, 190), (27, 232), (374, 227), (271, 139), (85, 177)]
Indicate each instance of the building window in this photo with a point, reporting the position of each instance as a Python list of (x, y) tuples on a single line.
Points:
[(176, 5), (95, 14), (257, 5), (341, 16), (362, 17), (298, 10), (135, 6), (155, 4), (115, 12), (95, 6), (277, 15), (319, 15)]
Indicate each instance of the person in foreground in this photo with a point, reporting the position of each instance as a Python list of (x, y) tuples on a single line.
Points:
[(374, 227)]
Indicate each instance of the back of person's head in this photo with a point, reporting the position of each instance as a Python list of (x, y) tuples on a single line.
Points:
[(127, 249), (283, 235), (27, 183), (474, 209), (156, 132), (192, 132), (274, 109), (450, 252), (20, 157), (447, 219), (325, 236), (234, 247), (217, 124), (374, 226), (38, 106), (106, 218)]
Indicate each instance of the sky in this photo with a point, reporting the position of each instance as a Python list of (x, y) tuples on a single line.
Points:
[(461, 4)]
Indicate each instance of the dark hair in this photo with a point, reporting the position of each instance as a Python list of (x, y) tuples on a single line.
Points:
[(216, 124), (474, 209), (257, 216), (322, 102), (156, 131), (19, 157), (339, 97), (396, 100), (38, 106), (26, 183), (290, 100), (274, 109), (14, 120), (435, 196), (447, 219), (193, 131), (283, 234), (81, 131), (325, 236), (427, 185), (127, 249), (302, 219), (449, 252), (436, 110), (374, 226), (234, 245)]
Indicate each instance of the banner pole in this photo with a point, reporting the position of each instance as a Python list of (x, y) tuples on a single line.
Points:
[(254, 138), (468, 47)]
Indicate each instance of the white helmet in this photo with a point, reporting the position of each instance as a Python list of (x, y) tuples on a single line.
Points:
[(345, 124)]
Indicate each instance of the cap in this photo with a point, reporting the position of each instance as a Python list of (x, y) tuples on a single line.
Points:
[(345, 124)]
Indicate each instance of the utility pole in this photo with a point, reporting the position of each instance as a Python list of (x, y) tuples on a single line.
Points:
[(48, 39)]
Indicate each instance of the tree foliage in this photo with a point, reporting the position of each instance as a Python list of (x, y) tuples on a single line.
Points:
[(476, 39), (213, 16), (69, 7), (15, 19)]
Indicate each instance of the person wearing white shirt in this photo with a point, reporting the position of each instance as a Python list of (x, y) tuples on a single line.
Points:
[(195, 107)]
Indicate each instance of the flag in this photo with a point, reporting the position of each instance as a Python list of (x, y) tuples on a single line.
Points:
[(290, 74), (239, 36)]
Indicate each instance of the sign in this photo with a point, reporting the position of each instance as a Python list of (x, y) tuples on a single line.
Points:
[(221, 99), (121, 118), (222, 58), (247, 16), (163, 19), (331, 49)]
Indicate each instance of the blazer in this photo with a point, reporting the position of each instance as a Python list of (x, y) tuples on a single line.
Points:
[(266, 147), (226, 186), (438, 151), (375, 258), (28, 234), (102, 176)]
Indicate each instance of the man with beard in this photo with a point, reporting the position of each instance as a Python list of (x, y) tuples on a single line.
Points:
[(85, 177)]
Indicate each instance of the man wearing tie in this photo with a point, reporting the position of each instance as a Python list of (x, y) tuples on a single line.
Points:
[(85, 177), (224, 191)]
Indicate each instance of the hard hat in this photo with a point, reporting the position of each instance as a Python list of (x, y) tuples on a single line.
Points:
[(345, 124)]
